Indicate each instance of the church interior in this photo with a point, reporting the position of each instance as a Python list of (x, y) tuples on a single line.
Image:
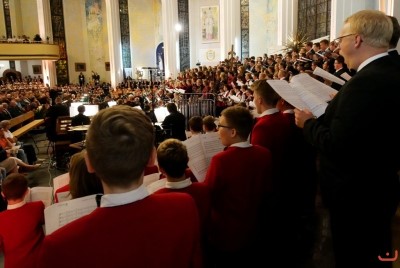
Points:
[(119, 44)]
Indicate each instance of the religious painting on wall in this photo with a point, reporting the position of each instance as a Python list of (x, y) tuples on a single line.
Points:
[(37, 69), (80, 67), (209, 24)]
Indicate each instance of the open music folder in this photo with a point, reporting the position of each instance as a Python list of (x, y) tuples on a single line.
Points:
[(40, 193), (201, 148), (303, 91), (59, 214)]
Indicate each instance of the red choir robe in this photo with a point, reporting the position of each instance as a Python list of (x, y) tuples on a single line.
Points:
[(239, 179), (272, 131), (156, 231), (21, 234), (201, 195)]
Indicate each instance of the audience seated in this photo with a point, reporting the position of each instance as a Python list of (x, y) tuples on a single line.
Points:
[(25, 148)]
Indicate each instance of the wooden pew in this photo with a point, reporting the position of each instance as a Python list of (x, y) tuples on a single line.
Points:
[(23, 123)]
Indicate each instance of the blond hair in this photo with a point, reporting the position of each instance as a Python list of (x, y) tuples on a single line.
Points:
[(374, 26)]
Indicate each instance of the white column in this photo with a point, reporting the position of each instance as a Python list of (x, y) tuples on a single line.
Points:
[(194, 35), (230, 27), (287, 20), (45, 30), (341, 9), (114, 42), (171, 37)]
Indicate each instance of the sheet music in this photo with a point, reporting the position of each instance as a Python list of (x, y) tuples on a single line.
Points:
[(201, 148), (324, 74), (44, 194), (211, 144), (299, 97), (234, 98), (58, 215), (345, 76), (161, 113), (315, 105), (60, 181), (63, 196), (197, 160), (312, 85)]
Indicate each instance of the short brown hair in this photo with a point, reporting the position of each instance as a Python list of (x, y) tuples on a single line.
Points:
[(119, 143), (172, 157), (266, 92), (196, 123), (240, 119), (14, 186), (209, 123)]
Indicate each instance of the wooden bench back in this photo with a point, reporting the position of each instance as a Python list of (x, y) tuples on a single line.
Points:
[(25, 117)]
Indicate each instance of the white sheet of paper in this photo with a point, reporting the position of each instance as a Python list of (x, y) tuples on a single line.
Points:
[(299, 97), (201, 148), (60, 181), (63, 196), (234, 98), (60, 214), (149, 179), (44, 194), (156, 185), (345, 76), (324, 74), (312, 85)]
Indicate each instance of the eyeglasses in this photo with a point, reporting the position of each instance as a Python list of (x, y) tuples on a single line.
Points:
[(219, 126), (339, 39)]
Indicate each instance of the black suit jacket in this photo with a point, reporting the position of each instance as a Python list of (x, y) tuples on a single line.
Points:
[(80, 119), (176, 123), (51, 118), (393, 53), (338, 74), (358, 140)]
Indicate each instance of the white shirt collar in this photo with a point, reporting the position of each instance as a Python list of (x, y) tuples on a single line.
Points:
[(371, 59), (178, 184), (392, 49), (243, 144), (269, 111), (113, 200), (18, 205)]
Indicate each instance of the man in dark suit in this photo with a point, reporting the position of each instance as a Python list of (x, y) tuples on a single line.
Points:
[(81, 79), (340, 68), (56, 110), (80, 118), (358, 145), (175, 122)]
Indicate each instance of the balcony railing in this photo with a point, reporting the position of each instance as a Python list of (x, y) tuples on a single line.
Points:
[(28, 51)]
